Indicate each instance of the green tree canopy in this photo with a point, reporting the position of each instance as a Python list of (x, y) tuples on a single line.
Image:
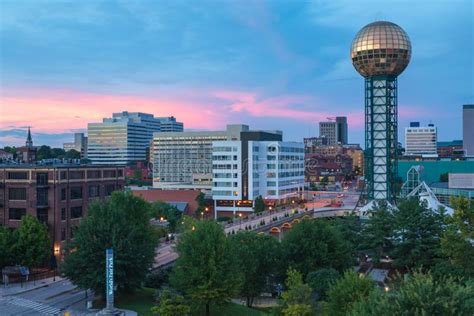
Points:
[(346, 291), (171, 304), (170, 213), (377, 233), (72, 154), (457, 241), (259, 206), (321, 280), (7, 242), (258, 257), (421, 294), (31, 242), (122, 223), (297, 297), (314, 244), (416, 235), (206, 271)]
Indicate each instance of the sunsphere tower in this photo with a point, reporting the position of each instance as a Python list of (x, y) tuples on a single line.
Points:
[(380, 52)]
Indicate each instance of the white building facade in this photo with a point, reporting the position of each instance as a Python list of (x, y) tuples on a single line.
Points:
[(421, 141), (244, 170), (125, 137)]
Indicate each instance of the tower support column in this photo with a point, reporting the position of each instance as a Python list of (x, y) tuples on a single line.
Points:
[(381, 143)]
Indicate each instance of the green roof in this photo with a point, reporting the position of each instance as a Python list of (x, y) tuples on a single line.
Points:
[(433, 169), (450, 143)]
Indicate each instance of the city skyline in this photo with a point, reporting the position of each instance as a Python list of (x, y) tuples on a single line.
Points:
[(211, 65)]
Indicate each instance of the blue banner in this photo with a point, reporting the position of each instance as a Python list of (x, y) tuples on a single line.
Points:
[(109, 277)]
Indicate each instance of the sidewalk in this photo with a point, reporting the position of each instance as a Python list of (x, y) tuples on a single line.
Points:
[(18, 288)]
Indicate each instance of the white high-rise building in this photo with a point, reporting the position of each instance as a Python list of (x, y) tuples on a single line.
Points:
[(125, 137), (421, 140), (246, 169)]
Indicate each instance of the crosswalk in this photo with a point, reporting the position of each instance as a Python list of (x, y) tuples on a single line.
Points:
[(42, 309)]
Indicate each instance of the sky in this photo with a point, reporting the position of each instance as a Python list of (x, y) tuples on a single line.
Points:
[(269, 64)]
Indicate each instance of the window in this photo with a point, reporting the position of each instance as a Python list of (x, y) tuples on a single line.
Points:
[(93, 174), (76, 193), (120, 173), (63, 175), (63, 214), (109, 173), (76, 174), (63, 233), (42, 196), (18, 194), (18, 175), (63, 195), (109, 188), (42, 178), (42, 215), (76, 211), (16, 213), (93, 191)]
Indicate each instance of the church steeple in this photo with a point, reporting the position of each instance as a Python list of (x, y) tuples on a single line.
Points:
[(29, 141)]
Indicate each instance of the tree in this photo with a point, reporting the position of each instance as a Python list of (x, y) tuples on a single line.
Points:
[(11, 150), (297, 297), (122, 222), (456, 242), (6, 244), (417, 234), (72, 154), (201, 200), (314, 244), (32, 246), (206, 271), (259, 205), (257, 257), (170, 213), (44, 152), (377, 232), (420, 294), (321, 279), (346, 291), (171, 304)]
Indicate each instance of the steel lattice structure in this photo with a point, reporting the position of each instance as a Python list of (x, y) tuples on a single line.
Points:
[(380, 136), (380, 52)]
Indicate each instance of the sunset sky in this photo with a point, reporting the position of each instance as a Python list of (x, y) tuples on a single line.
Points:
[(270, 64)]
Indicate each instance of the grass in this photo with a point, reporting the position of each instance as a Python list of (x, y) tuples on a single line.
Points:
[(142, 301)]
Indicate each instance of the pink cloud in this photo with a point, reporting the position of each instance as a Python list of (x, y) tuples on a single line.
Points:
[(60, 110)]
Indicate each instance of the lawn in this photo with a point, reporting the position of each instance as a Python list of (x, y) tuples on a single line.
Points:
[(142, 301)]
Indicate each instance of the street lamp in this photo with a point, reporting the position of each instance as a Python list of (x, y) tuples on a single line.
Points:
[(240, 216), (202, 215)]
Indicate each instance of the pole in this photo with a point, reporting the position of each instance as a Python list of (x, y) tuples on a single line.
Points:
[(109, 272)]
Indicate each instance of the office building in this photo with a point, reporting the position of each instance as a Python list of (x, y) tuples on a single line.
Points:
[(421, 141), (468, 129), (57, 195), (334, 130), (79, 145), (451, 149), (184, 160), (124, 138), (258, 164)]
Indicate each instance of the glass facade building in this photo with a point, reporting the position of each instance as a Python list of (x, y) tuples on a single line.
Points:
[(125, 137)]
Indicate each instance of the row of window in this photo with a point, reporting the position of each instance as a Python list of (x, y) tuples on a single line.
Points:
[(16, 213), (76, 193)]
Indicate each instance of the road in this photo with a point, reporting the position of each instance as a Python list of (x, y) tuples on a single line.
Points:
[(47, 300)]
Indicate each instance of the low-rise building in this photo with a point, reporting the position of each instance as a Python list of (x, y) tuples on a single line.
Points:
[(57, 195), (79, 145), (452, 149)]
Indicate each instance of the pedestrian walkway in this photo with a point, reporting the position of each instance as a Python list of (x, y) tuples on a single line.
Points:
[(17, 288), (31, 306)]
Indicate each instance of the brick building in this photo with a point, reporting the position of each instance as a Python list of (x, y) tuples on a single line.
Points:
[(58, 195)]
